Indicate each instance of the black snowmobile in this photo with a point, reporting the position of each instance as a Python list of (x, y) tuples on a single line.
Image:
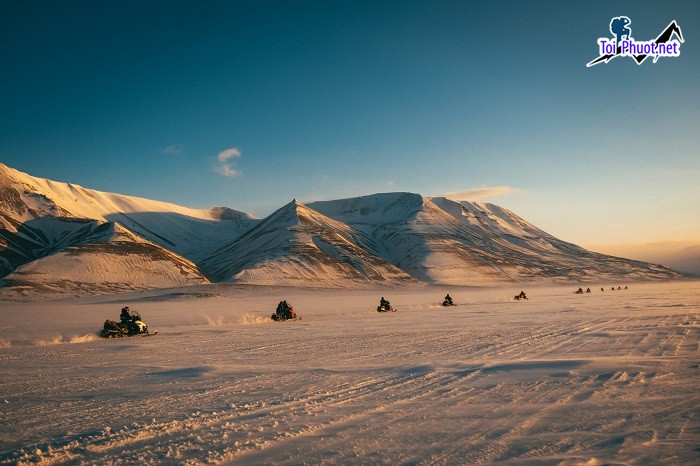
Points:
[(284, 312), (448, 301), (279, 317), (129, 326), (385, 306)]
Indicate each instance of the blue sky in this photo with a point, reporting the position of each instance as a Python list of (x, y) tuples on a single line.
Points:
[(251, 104)]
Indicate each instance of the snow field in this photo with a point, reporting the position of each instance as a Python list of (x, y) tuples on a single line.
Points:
[(560, 379)]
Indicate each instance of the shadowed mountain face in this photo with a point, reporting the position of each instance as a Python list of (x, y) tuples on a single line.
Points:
[(298, 245), (442, 241), (116, 262), (44, 236), (392, 238), (59, 236), (193, 233)]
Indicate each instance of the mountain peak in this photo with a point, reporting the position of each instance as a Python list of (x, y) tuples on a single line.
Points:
[(226, 213), (395, 237), (293, 204), (382, 207)]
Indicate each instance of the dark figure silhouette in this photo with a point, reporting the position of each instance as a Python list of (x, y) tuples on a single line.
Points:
[(125, 317), (285, 311)]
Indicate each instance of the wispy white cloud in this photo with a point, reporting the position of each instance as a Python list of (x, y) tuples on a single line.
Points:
[(476, 194), (173, 149), (225, 167)]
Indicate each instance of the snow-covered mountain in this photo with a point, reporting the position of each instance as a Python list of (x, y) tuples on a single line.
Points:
[(192, 233), (61, 236), (437, 240), (297, 245), (115, 260)]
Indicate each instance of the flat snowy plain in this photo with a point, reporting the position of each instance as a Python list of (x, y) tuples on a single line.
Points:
[(606, 377)]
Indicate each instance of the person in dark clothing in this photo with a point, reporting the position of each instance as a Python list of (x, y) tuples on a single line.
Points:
[(125, 317), (448, 299), (522, 295), (285, 311), (384, 303)]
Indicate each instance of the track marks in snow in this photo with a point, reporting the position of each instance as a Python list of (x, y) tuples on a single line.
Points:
[(460, 387), (235, 430)]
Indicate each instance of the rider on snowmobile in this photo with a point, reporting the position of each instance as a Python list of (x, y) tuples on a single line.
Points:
[(285, 311), (125, 316)]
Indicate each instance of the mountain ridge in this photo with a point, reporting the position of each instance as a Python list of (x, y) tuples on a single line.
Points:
[(312, 245), (387, 239)]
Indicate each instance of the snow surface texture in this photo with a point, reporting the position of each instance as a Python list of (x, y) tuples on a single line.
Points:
[(65, 239), (599, 378)]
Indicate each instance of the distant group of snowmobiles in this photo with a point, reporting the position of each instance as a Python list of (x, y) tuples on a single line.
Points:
[(588, 290), (131, 324)]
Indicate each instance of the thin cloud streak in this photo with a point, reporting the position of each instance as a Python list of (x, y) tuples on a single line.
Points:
[(476, 194)]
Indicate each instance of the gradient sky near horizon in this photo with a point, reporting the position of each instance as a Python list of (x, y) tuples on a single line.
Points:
[(251, 104)]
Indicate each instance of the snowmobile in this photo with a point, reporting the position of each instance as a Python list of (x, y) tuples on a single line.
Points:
[(520, 297), (285, 316), (284, 312), (385, 308), (126, 328), (448, 303)]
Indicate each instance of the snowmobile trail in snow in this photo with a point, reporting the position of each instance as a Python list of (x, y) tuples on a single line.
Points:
[(563, 378)]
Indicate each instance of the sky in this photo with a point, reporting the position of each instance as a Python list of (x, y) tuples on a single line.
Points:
[(251, 104)]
